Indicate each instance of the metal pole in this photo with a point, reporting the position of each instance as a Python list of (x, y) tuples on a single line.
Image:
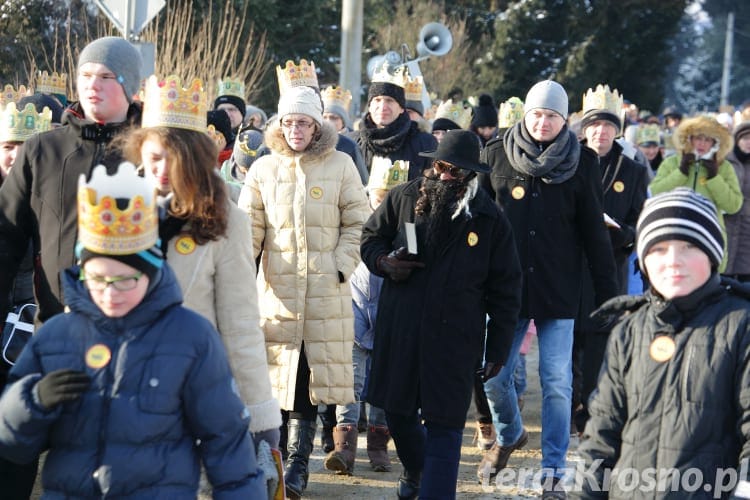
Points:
[(727, 70), (352, 13)]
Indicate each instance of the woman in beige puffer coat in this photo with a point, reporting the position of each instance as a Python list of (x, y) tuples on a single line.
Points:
[(307, 205)]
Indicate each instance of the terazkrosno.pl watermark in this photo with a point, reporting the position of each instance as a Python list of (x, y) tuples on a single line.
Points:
[(596, 478)]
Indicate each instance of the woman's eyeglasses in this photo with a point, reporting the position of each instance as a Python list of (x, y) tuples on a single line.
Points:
[(119, 283), (300, 124)]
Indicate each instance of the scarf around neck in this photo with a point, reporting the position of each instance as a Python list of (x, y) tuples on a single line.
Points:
[(386, 140), (554, 164)]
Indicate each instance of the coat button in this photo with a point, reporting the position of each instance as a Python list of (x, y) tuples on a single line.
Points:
[(154, 382)]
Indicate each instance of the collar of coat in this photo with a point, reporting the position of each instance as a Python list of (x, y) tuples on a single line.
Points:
[(318, 148)]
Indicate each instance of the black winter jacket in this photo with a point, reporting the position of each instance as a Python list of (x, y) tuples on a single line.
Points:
[(38, 200)]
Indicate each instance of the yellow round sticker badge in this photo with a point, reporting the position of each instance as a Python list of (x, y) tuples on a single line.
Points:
[(316, 192), (619, 186), (185, 245), (662, 348), (98, 356), (472, 239), (518, 192)]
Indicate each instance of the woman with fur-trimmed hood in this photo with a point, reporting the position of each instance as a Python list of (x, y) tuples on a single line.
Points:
[(702, 145), (307, 205)]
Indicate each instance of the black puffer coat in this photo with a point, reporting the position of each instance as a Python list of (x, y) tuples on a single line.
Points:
[(690, 411)]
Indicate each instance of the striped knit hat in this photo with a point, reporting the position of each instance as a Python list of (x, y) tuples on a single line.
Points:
[(680, 214)]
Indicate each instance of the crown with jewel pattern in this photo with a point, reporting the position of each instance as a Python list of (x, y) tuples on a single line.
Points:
[(167, 104), (387, 74), (293, 75), (106, 228), (386, 175), (18, 125), (56, 83), (413, 87), (603, 99), (10, 94), (229, 86), (648, 133), (455, 112), (510, 112), (337, 96)]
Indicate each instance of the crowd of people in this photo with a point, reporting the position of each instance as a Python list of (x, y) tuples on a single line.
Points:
[(206, 284)]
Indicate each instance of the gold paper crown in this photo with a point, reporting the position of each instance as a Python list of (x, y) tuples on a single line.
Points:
[(336, 96), (603, 99), (10, 94), (231, 87), (386, 175), (455, 112), (52, 84), (216, 136), (648, 133), (413, 87), (293, 75), (105, 228), (387, 74), (510, 113), (17, 126), (168, 104)]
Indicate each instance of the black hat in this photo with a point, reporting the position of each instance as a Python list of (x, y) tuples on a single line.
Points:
[(485, 114), (221, 122), (444, 124), (387, 89), (460, 148), (594, 115), (673, 112), (235, 101), (41, 101)]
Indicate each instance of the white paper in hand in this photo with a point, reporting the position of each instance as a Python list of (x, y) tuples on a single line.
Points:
[(411, 237)]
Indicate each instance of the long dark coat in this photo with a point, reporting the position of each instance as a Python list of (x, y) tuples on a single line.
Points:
[(430, 329), (554, 226)]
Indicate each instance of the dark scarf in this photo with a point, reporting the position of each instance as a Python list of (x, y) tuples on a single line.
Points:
[(437, 203), (389, 139), (554, 163), (743, 157), (169, 225)]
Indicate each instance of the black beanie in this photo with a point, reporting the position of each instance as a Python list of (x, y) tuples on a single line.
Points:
[(235, 101), (221, 122), (444, 124), (149, 262), (593, 115), (485, 114), (41, 101), (388, 89)]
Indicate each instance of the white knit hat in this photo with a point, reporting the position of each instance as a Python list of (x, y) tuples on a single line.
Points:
[(302, 100), (547, 94)]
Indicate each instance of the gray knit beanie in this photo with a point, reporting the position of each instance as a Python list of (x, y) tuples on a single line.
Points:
[(547, 94), (121, 57)]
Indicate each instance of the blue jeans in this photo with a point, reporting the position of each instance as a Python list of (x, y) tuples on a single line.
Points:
[(349, 414), (555, 340)]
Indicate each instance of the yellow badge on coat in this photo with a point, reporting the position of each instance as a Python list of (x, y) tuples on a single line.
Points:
[(618, 186), (98, 356), (185, 245), (518, 192), (662, 349), (316, 192), (472, 239)]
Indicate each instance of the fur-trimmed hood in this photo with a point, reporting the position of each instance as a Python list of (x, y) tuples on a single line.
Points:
[(321, 145), (707, 126)]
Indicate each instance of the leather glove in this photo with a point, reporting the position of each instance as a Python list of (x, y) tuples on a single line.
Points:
[(270, 436), (712, 168), (489, 370), (61, 386), (398, 264), (685, 162)]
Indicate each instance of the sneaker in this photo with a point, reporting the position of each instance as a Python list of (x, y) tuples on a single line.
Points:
[(485, 436), (497, 457), (554, 491)]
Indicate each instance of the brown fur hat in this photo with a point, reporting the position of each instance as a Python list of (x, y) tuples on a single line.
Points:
[(703, 125)]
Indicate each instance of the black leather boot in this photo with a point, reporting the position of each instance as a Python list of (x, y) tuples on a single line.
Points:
[(300, 444), (408, 485)]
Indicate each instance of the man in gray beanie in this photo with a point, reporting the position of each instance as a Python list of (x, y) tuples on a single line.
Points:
[(550, 189)]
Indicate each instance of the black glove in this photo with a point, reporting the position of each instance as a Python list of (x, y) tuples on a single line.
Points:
[(712, 168), (489, 370), (61, 386), (398, 264), (685, 162)]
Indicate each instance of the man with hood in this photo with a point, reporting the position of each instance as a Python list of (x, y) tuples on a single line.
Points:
[(430, 334)]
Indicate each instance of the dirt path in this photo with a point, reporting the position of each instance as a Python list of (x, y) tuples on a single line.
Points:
[(368, 485)]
